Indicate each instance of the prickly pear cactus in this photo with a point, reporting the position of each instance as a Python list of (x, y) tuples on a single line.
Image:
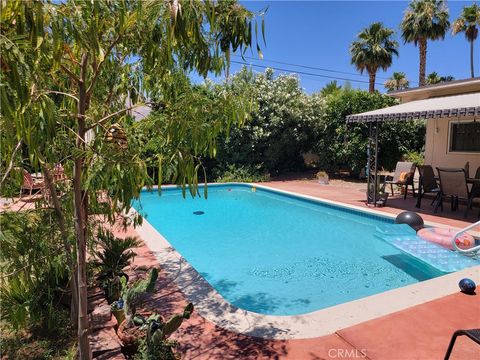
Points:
[(172, 325), (158, 345), (132, 295)]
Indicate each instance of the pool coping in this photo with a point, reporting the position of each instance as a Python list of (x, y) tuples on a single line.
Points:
[(213, 307)]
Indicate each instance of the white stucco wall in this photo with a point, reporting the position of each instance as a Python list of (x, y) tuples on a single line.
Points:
[(436, 148)]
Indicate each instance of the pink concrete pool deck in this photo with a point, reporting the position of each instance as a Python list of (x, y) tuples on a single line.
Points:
[(418, 332), (354, 193)]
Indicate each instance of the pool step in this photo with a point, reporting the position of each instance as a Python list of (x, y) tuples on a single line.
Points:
[(440, 258)]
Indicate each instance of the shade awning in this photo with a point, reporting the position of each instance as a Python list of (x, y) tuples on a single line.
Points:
[(455, 106)]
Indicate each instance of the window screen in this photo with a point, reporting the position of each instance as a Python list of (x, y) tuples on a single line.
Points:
[(465, 136)]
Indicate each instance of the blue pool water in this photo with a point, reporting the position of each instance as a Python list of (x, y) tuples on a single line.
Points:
[(276, 254)]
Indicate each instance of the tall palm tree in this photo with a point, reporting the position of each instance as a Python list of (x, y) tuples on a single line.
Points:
[(467, 22), (398, 81), (373, 49), (424, 20)]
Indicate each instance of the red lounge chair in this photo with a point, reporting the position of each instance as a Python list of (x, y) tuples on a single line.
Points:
[(30, 184)]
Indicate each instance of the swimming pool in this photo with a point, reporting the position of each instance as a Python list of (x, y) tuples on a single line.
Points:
[(275, 254)]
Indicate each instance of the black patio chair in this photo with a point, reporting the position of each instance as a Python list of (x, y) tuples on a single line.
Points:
[(428, 185), (453, 184), (475, 190), (473, 334)]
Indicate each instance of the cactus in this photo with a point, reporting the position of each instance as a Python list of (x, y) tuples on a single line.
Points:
[(158, 345), (132, 295)]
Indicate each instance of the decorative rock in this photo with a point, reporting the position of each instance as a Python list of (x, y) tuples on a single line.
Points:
[(467, 286), (410, 218), (100, 316), (104, 340), (111, 355)]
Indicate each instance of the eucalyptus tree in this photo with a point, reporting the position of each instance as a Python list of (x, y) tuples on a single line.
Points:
[(424, 20), (68, 68), (468, 23), (373, 49), (398, 81)]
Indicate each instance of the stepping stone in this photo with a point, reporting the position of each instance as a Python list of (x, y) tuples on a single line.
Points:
[(103, 341)]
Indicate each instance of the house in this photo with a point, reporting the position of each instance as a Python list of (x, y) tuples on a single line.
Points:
[(452, 113), (451, 140)]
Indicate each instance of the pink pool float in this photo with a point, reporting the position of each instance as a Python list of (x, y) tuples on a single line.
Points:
[(443, 237)]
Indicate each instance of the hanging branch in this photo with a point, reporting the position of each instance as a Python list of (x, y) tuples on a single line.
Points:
[(10, 165), (70, 74), (104, 119)]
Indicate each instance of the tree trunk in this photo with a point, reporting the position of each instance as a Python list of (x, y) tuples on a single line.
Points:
[(81, 214), (422, 46), (472, 70), (371, 81), (66, 244)]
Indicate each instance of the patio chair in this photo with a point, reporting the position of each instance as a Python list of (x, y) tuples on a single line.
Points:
[(428, 184), (30, 184), (59, 173), (473, 334), (453, 184), (475, 190), (404, 172)]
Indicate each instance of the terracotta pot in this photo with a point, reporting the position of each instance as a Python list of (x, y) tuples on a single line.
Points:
[(119, 315), (130, 336)]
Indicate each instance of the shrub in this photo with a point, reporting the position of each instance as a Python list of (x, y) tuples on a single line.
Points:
[(414, 156), (344, 146), (282, 124), (286, 122), (238, 173), (34, 270)]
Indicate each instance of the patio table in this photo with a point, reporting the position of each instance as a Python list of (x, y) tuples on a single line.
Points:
[(469, 181)]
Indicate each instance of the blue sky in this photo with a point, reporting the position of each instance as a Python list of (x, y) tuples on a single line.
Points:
[(318, 34)]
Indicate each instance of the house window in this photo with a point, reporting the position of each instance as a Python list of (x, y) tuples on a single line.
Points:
[(464, 136)]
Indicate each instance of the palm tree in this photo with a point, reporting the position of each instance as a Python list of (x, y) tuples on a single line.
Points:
[(467, 23), (398, 81), (373, 49), (331, 88), (424, 20), (434, 78)]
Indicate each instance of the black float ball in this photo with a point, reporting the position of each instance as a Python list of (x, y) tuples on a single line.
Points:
[(410, 218), (467, 286)]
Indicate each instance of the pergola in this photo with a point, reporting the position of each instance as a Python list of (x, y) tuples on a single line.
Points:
[(454, 106)]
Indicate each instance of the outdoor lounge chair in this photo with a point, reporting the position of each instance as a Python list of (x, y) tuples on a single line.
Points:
[(453, 184), (30, 184), (473, 334), (58, 173), (428, 184), (404, 172)]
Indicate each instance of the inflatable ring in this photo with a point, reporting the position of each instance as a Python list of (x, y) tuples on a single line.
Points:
[(444, 237)]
